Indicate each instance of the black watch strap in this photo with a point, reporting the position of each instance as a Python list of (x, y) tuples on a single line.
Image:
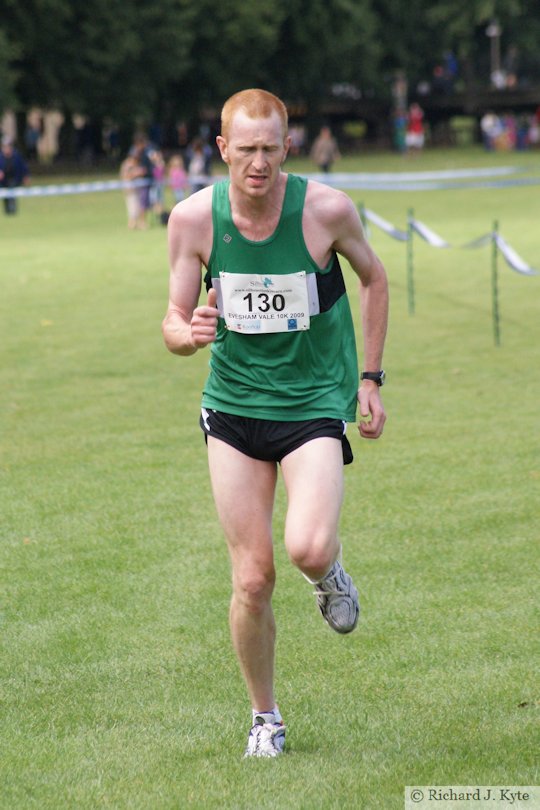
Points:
[(378, 377)]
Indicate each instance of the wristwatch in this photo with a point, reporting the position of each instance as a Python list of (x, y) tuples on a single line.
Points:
[(377, 376)]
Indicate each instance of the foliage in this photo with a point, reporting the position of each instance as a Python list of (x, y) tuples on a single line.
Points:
[(138, 58), (406, 37), (99, 57), (322, 43), (41, 30), (7, 73), (417, 34), (230, 50)]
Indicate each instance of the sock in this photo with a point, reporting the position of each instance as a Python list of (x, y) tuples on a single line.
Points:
[(315, 581), (273, 716), (337, 560)]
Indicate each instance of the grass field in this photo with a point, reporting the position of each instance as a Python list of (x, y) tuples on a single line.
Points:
[(119, 688)]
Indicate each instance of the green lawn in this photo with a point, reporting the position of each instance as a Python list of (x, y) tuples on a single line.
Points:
[(119, 687)]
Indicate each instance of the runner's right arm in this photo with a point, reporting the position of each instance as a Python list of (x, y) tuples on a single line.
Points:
[(186, 326)]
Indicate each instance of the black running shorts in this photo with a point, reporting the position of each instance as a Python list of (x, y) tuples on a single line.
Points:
[(267, 440)]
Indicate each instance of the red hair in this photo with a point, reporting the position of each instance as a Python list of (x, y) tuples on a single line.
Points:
[(254, 103)]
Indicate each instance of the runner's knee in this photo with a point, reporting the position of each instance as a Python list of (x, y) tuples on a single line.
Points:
[(315, 553), (253, 588)]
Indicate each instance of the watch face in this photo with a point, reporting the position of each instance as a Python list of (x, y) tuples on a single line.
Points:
[(382, 378)]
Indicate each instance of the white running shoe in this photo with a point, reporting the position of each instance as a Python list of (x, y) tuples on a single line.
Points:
[(265, 739), (338, 600)]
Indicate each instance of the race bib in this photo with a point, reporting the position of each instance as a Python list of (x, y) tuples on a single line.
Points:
[(258, 304)]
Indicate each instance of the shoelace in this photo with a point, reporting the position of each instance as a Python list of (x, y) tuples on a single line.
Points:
[(332, 591), (329, 593), (265, 734), (271, 727)]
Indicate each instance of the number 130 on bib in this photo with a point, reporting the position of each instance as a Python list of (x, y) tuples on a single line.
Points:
[(259, 304)]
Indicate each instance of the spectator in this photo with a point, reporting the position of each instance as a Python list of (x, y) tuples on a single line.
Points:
[(158, 185), (141, 150), (32, 134), (523, 130), (297, 135), (197, 166), (534, 129), (131, 170), (491, 127), (208, 155), (325, 149), (415, 137), (13, 172), (399, 123), (177, 178)]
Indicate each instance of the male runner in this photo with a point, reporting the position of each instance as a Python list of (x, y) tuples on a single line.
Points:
[(283, 376)]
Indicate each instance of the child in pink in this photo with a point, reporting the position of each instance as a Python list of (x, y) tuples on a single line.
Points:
[(177, 178)]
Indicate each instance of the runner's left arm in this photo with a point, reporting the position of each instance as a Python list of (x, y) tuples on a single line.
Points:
[(352, 244)]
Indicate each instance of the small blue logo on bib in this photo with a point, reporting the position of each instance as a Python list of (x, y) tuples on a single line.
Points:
[(292, 324)]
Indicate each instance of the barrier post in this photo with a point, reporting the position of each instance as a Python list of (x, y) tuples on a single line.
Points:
[(410, 262), (495, 286), (363, 218)]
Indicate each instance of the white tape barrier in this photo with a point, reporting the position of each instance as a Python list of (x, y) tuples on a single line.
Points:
[(383, 181), (86, 188), (385, 226), (428, 235), (480, 242), (439, 174), (427, 181), (72, 188), (512, 258), (514, 261)]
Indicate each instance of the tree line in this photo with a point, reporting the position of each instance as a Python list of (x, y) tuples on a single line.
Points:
[(169, 59)]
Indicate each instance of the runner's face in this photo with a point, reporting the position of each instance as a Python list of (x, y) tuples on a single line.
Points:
[(254, 151)]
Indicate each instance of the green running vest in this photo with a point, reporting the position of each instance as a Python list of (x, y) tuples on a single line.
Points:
[(283, 376)]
